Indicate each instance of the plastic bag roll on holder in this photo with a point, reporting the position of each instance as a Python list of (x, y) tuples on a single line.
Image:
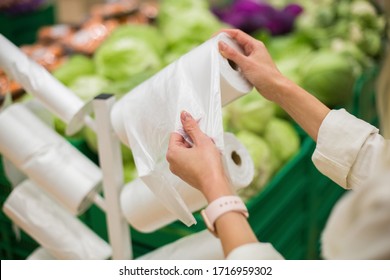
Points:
[(61, 234), (143, 211), (36, 80), (48, 159), (200, 82)]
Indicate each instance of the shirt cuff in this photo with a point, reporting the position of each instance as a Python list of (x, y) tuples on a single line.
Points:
[(340, 138), (255, 251)]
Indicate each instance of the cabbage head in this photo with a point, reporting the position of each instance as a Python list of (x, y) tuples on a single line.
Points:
[(87, 87), (77, 65), (130, 50), (329, 76), (261, 154), (185, 25), (251, 112), (283, 139)]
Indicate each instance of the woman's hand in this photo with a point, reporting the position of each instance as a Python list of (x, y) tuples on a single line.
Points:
[(199, 165), (256, 63), (259, 69)]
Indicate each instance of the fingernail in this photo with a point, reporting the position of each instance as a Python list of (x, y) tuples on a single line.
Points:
[(222, 46), (185, 116)]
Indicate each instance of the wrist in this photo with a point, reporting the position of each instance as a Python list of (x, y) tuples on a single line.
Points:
[(282, 87), (214, 189)]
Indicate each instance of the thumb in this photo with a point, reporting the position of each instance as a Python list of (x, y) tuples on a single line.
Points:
[(191, 127)]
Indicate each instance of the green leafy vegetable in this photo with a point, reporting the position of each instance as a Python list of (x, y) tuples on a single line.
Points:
[(185, 25), (130, 50), (283, 139), (87, 87), (329, 76), (260, 153), (251, 112), (76, 66)]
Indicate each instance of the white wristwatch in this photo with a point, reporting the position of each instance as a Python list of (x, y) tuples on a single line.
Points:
[(219, 207)]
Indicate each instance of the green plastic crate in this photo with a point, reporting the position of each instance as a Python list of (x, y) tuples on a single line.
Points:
[(22, 29)]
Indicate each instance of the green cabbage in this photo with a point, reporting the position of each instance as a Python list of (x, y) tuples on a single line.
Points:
[(185, 25), (282, 47), (76, 66), (261, 154), (283, 140), (288, 64), (147, 33), (329, 76), (130, 50), (251, 112), (172, 7), (194, 26), (87, 87)]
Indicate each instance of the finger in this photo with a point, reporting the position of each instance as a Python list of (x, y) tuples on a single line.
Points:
[(243, 39), (191, 127), (177, 140), (231, 54), (176, 144), (240, 36)]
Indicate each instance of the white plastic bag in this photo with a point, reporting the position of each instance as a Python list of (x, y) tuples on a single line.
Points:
[(200, 82)]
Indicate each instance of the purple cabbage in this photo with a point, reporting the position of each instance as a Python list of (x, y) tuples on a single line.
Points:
[(17, 7), (253, 15)]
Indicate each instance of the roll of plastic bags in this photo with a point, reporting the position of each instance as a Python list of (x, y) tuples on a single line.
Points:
[(36, 80), (48, 159), (61, 234), (200, 82)]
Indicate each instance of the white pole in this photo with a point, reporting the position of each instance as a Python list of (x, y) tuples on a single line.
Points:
[(110, 159)]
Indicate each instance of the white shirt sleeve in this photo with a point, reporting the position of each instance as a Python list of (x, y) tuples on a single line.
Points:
[(255, 251), (359, 225), (359, 228), (346, 149), (354, 155)]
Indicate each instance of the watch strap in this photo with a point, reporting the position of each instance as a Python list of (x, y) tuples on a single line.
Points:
[(221, 206)]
